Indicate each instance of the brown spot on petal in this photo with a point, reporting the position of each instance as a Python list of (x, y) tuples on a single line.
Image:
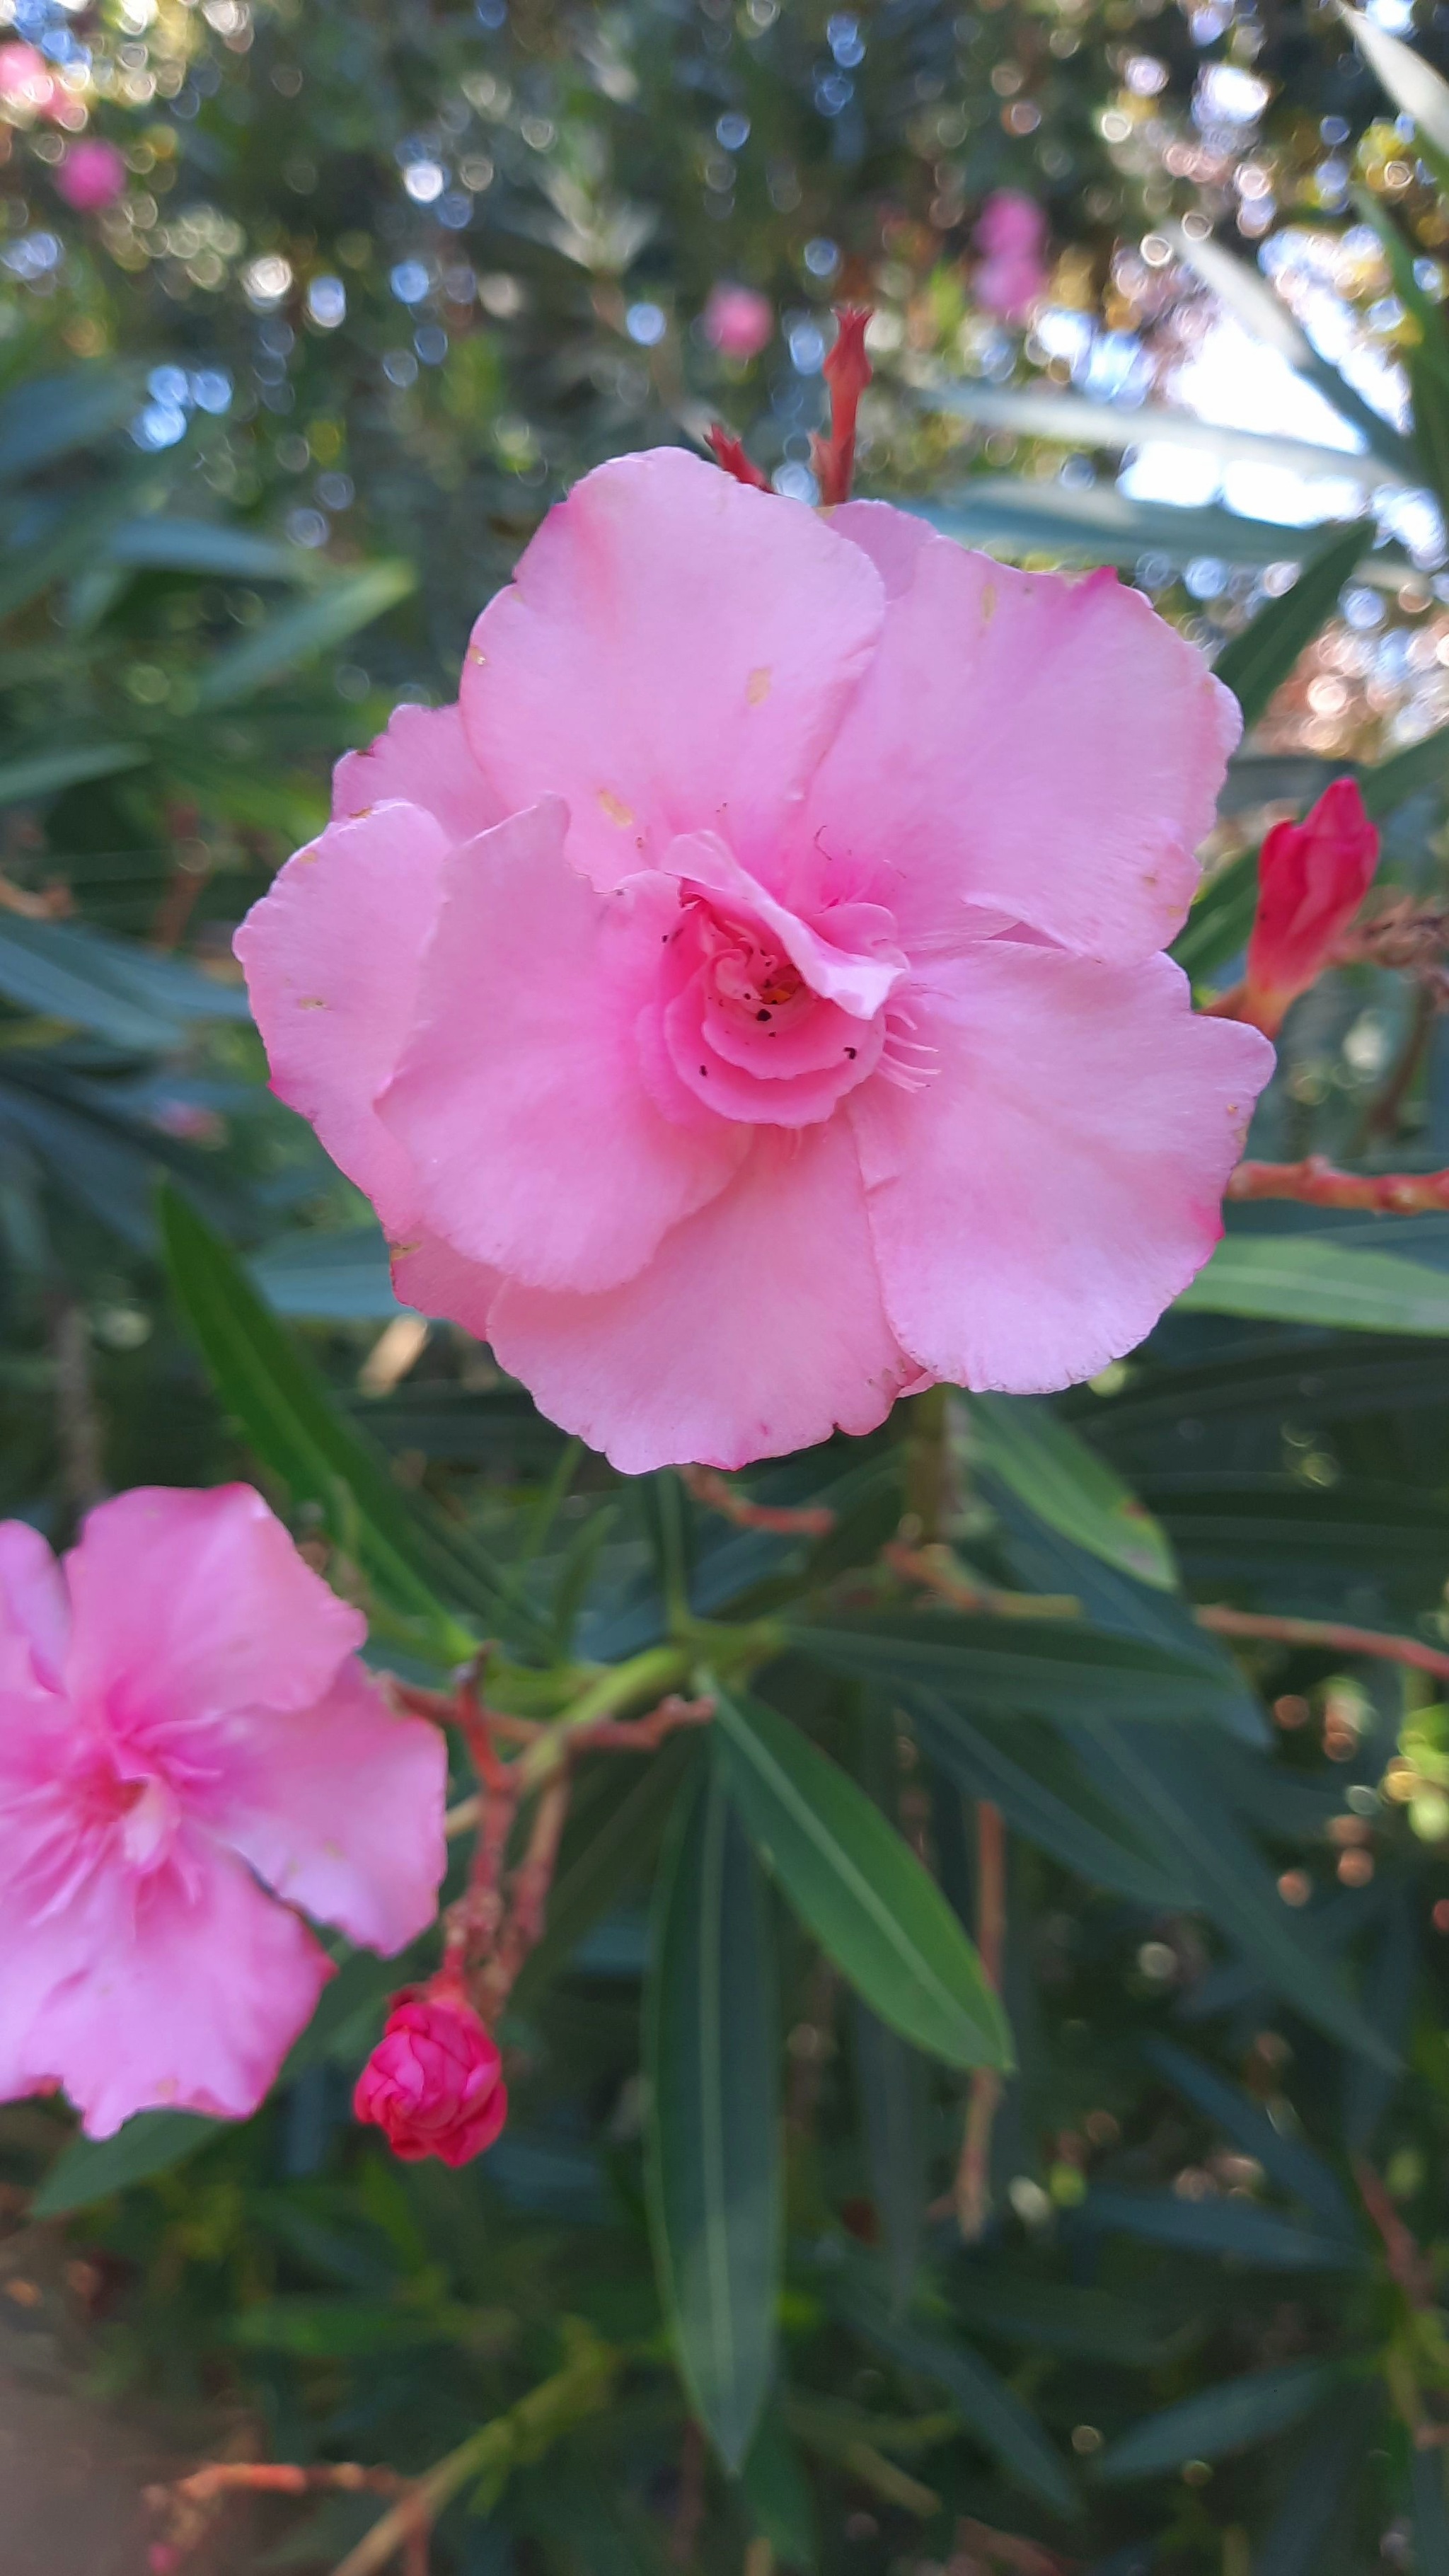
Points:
[(312, 1002), (475, 655), (988, 603), (615, 808), (757, 687), (400, 1251)]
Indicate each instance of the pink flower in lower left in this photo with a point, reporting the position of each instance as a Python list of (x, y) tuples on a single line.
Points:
[(189, 1751)]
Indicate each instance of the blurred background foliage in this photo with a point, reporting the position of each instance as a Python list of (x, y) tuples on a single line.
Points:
[(359, 290)]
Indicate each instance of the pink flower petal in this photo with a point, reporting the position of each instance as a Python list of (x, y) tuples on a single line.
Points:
[(182, 1994), (431, 1276), (674, 655), (332, 956), (34, 1612), (756, 1329), (189, 1606), (1049, 748), (519, 1098), (1057, 1181), (423, 759), (339, 1808)]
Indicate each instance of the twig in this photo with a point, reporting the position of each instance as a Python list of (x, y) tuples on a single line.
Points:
[(810, 1520), (936, 1568), (1316, 1183), (689, 2509), (924, 1566), (1332, 1633), (1382, 1115), (192, 2503), (1008, 2549), (972, 2190), (1408, 2267)]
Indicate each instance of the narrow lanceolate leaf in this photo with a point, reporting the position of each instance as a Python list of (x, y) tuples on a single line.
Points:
[(45, 773), (1030, 1775), (1220, 920), (1051, 1469), (859, 1888), (1233, 2228), (1219, 2421), (1301, 1279), (90, 2169), (1297, 2538), (1285, 2159), (295, 635), (986, 2405), (1061, 1668), (1254, 663), (421, 1567), (1413, 85), (711, 2054), (1176, 1803), (51, 416)]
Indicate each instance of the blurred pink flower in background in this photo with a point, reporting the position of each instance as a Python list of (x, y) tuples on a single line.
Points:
[(92, 175), (434, 2082), (1011, 276), (738, 320), (183, 1725), (746, 1006), (27, 80)]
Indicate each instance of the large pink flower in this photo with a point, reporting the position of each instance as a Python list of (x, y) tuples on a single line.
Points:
[(182, 1716), (746, 1004)]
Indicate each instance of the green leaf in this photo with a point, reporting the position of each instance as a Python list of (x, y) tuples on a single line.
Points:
[(1217, 2228), (296, 634), (419, 1564), (1283, 2157), (44, 773), (859, 1888), (1192, 1831), (1302, 1279), (1298, 2536), (893, 2109), (1104, 525), (1219, 2421), (1220, 920), (338, 1278), (985, 2404), (1031, 1776), (711, 2059), (334, 2329), (1065, 2316), (52, 416), (777, 2494), (1250, 298), (210, 547), (1051, 1469), (1051, 1667), (1390, 783), (1254, 663), (72, 536), (90, 2169), (1040, 411), (1430, 2512), (1413, 85), (109, 986)]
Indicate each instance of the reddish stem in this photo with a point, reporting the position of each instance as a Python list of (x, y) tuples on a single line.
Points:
[(1315, 1183), (811, 1520), (847, 372), (728, 452)]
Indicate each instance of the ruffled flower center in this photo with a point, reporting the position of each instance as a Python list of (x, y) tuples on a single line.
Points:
[(767, 1015)]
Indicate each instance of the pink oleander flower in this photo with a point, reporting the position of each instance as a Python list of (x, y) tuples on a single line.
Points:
[(434, 2082), (746, 1004), (738, 320), (185, 1727), (1312, 877), (92, 176), (27, 80), (1012, 276)]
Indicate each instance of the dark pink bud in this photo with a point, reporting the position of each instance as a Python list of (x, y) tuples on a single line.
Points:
[(434, 2082), (1312, 877), (847, 372)]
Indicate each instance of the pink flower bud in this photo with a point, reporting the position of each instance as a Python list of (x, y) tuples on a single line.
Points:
[(91, 177), (1011, 232), (1312, 877), (738, 320), (26, 79), (434, 2082)]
